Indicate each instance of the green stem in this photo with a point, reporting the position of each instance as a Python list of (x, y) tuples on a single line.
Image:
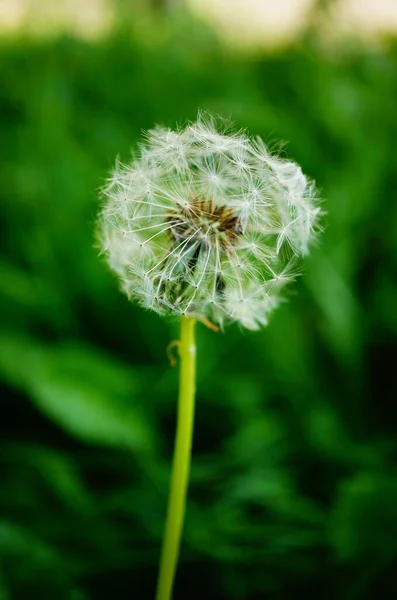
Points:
[(181, 461)]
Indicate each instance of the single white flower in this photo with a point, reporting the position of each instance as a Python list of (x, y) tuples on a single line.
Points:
[(207, 223)]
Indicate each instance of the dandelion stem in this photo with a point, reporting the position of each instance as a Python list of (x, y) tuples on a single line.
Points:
[(181, 461)]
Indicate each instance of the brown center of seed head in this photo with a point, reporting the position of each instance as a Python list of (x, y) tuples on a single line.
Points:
[(202, 221)]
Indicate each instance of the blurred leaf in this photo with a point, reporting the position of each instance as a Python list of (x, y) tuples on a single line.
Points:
[(337, 302), (17, 542), (88, 414), (261, 439), (17, 286), (79, 390), (62, 476), (364, 520), (328, 434)]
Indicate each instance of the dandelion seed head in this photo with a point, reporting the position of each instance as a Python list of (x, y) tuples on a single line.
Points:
[(206, 222)]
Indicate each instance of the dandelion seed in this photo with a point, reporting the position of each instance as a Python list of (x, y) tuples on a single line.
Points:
[(205, 222)]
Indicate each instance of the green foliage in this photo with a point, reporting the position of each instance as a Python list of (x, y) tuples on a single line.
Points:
[(82, 391), (293, 488)]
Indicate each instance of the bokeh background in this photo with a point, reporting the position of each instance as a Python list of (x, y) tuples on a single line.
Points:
[(294, 481)]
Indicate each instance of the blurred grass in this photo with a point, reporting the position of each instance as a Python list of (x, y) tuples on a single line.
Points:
[(293, 487)]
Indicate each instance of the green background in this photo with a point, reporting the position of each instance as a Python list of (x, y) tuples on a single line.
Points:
[(294, 481)]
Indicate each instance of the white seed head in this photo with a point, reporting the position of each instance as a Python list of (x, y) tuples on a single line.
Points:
[(207, 223)]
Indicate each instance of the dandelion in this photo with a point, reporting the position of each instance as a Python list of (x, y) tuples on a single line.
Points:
[(205, 224)]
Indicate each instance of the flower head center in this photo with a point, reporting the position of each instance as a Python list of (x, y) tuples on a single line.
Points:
[(204, 222)]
